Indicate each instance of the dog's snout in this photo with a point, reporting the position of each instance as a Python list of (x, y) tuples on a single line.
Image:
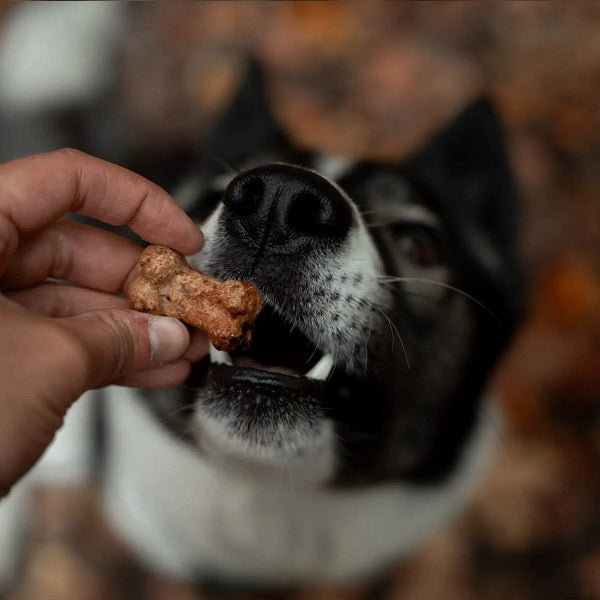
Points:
[(284, 204)]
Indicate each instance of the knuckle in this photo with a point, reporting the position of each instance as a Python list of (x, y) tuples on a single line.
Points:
[(101, 345), (118, 349), (123, 347), (69, 153)]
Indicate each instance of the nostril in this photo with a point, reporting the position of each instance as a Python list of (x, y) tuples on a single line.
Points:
[(319, 213), (244, 195), (310, 213)]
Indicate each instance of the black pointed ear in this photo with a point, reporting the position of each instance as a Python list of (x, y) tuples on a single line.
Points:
[(247, 126), (466, 169), (466, 166)]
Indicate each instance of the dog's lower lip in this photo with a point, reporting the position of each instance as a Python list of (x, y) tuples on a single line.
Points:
[(260, 377)]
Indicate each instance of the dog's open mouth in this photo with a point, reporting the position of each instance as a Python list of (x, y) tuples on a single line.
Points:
[(267, 405), (279, 350)]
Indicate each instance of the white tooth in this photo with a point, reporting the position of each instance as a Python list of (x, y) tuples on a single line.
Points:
[(219, 357), (322, 369)]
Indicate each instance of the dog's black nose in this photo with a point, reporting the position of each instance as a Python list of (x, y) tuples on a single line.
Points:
[(284, 206)]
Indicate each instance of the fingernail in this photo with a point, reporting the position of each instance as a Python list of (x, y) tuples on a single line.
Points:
[(169, 339)]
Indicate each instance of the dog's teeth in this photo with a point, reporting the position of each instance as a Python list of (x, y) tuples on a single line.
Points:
[(219, 357), (322, 369)]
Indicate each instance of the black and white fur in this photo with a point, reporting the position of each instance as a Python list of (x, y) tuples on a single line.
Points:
[(358, 422), (402, 290)]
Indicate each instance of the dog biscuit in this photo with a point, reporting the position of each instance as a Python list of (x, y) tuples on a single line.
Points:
[(167, 285)]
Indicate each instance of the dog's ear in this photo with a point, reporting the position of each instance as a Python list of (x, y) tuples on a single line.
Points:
[(247, 126), (466, 169)]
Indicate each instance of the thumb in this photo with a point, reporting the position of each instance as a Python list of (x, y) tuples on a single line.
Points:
[(119, 343), (48, 363)]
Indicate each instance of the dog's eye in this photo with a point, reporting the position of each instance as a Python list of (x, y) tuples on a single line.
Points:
[(419, 244)]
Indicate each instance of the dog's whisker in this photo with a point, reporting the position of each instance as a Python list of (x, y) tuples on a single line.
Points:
[(394, 330), (350, 432), (377, 212), (233, 169), (420, 295), (388, 280), (383, 223), (312, 354), (367, 213), (366, 346), (181, 409)]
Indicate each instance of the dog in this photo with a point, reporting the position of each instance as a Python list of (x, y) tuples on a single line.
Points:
[(359, 420)]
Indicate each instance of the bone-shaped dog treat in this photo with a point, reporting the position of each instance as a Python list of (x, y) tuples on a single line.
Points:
[(167, 285)]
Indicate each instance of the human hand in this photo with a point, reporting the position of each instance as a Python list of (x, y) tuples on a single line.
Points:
[(58, 340)]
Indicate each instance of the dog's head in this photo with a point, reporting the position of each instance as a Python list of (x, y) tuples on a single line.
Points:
[(389, 291)]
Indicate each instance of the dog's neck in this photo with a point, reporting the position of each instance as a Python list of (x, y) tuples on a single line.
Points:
[(190, 520)]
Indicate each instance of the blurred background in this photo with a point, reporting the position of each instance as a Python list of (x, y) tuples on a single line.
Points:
[(138, 83)]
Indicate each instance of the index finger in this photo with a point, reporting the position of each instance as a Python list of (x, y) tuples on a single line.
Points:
[(38, 190)]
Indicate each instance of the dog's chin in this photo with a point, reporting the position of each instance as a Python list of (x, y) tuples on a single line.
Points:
[(265, 421)]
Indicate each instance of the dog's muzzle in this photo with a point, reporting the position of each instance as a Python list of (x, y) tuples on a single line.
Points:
[(295, 236), (280, 222)]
